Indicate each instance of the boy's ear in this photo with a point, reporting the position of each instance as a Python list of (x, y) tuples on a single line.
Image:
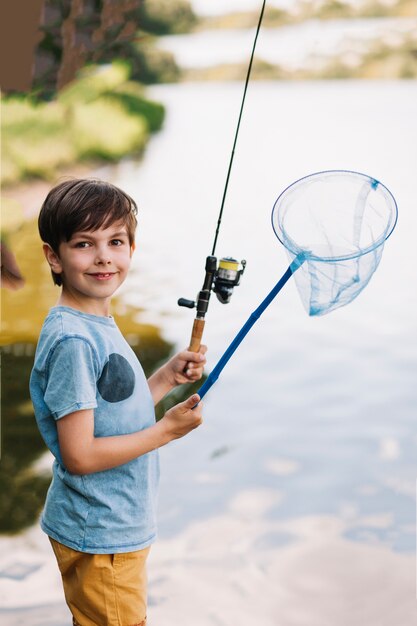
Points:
[(132, 248), (52, 258)]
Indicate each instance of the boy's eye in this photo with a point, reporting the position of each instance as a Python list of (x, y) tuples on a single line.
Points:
[(82, 244), (117, 242)]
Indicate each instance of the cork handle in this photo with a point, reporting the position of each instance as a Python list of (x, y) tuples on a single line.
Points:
[(196, 335)]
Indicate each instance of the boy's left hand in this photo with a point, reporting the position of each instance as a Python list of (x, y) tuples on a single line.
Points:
[(186, 366)]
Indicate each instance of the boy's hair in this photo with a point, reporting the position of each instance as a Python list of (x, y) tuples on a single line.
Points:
[(83, 204)]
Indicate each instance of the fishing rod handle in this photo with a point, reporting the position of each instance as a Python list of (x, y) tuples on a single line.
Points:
[(196, 335)]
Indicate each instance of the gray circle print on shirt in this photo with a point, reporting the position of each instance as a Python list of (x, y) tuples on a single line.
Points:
[(117, 380)]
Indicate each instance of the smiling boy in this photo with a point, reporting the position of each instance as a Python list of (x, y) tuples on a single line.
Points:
[(95, 409)]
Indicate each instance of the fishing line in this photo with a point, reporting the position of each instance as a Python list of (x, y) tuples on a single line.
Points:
[(232, 156), (224, 277)]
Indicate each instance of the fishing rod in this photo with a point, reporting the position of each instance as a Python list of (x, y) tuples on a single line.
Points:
[(223, 277)]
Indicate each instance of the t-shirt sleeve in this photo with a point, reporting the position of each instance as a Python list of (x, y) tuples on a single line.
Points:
[(71, 377)]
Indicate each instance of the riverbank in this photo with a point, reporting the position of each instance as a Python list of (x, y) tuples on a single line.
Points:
[(299, 11), (304, 41), (382, 61)]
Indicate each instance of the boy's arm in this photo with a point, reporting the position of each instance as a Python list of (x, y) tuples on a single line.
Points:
[(184, 367), (83, 453)]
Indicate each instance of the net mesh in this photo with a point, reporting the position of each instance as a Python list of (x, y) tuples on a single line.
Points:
[(334, 225)]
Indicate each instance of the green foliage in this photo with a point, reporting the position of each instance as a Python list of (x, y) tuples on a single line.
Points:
[(36, 139), (130, 95), (100, 115), (152, 65), (94, 81), (104, 41), (105, 130), (148, 64), (163, 17)]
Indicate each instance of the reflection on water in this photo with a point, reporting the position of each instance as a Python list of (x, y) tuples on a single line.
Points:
[(23, 487), (22, 491)]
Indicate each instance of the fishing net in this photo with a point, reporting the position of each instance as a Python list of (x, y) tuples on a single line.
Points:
[(333, 225), (336, 222)]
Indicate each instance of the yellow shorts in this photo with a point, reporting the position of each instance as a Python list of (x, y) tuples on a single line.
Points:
[(104, 589)]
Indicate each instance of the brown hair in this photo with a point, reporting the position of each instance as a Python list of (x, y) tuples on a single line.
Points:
[(83, 204)]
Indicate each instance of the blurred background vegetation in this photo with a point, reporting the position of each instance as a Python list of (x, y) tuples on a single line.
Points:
[(387, 59), (86, 98), (301, 11), (101, 115)]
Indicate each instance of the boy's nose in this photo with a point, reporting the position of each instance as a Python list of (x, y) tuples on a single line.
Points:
[(103, 257)]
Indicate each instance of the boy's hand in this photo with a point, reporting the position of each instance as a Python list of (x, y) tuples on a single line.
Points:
[(183, 418), (186, 366)]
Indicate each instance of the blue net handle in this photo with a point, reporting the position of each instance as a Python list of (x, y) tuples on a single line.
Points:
[(215, 373)]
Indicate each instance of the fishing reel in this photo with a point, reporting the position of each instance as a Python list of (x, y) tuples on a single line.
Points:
[(227, 278), (222, 280)]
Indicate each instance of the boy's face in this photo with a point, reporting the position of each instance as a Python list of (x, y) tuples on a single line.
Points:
[(93, 264)]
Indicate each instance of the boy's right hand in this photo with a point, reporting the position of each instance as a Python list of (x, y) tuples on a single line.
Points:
[(183, 418)]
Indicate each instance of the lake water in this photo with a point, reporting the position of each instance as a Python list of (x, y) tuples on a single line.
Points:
[(298, 386), (294, 503)]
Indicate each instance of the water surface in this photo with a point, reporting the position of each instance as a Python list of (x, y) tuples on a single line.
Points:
[(335, 396), (307, 456)]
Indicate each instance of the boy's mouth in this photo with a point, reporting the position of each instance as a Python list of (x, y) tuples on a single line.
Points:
[(102, 275)]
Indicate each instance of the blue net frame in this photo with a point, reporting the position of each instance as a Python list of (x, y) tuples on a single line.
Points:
[(338, 222), (333, 225)]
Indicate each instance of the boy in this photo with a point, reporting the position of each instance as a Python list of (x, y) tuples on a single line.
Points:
[(95, 409)]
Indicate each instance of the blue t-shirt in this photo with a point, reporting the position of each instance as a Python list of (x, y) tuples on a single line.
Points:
[(82, 361)]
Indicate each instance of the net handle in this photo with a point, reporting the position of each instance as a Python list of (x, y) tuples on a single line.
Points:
[(215, 373)]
